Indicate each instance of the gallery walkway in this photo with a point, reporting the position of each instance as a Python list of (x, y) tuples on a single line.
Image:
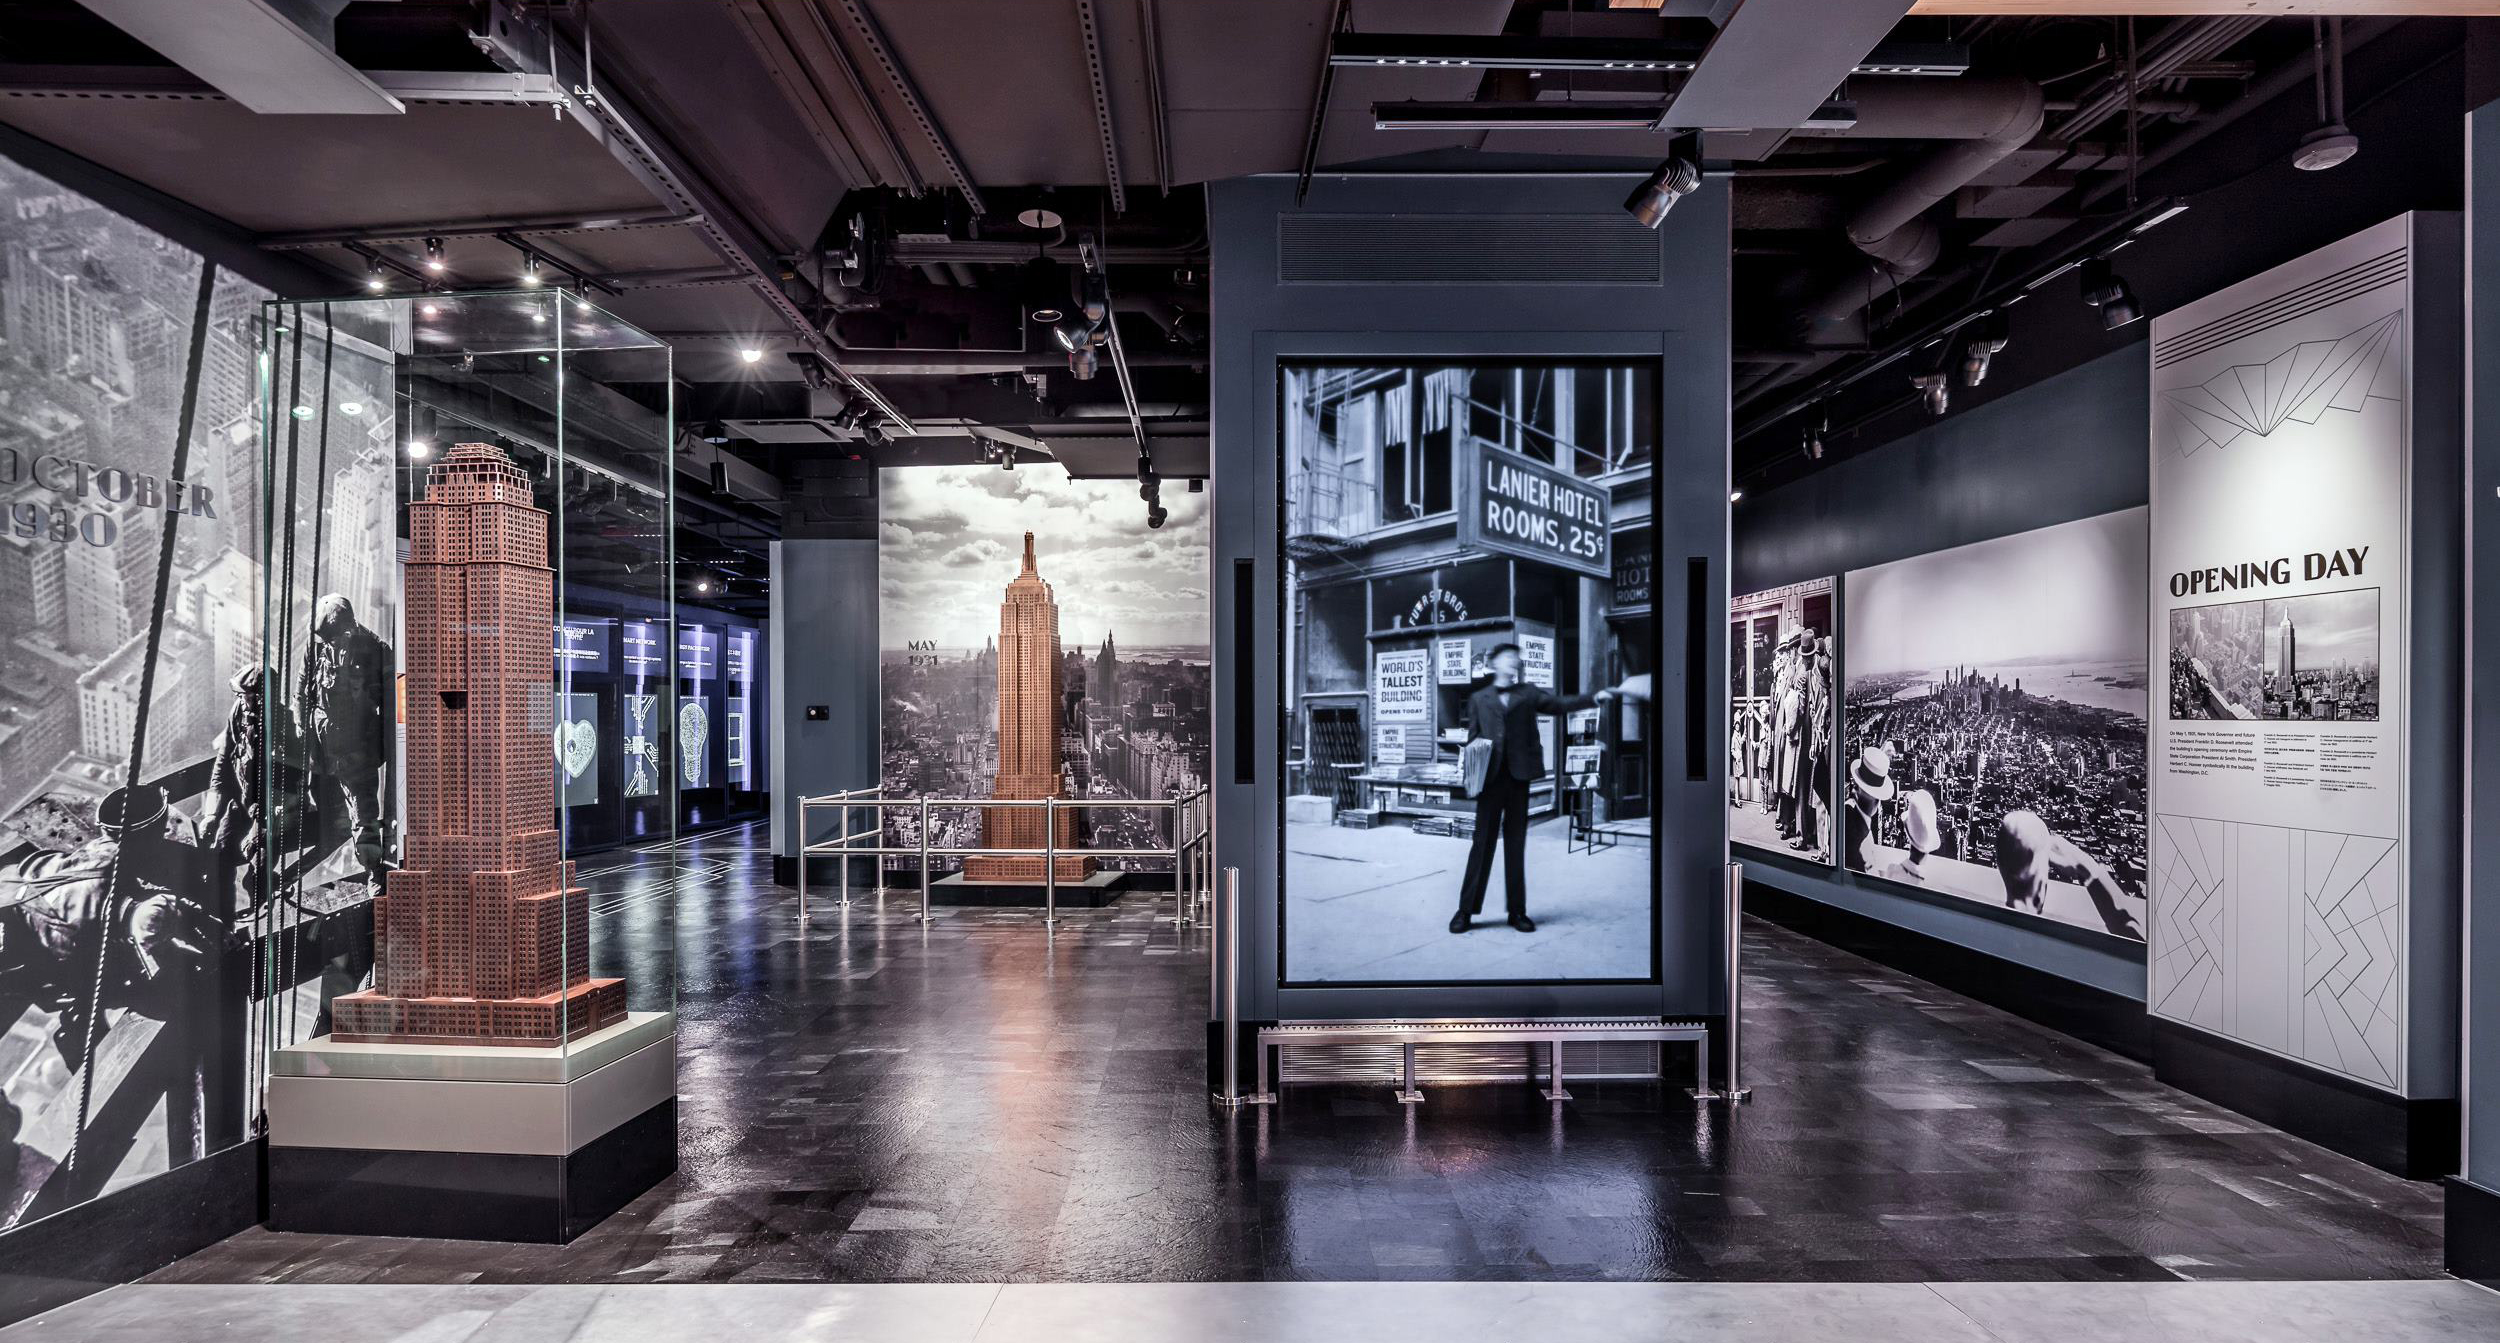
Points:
[(979, 1101), (2397, 1312)]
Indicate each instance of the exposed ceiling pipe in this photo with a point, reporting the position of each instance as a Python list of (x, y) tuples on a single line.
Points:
[(1890, 227)]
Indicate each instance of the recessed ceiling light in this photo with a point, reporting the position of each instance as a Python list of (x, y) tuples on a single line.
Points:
[(351, 408), (303, 412), (420, 449), (750, 355)]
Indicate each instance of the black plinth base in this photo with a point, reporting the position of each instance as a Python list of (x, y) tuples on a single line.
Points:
[(2473, 1234), (471, 1195), (1094, 892), (2417, 1139)]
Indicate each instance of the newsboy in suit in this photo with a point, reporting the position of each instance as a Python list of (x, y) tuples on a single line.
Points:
[(1505, 714)]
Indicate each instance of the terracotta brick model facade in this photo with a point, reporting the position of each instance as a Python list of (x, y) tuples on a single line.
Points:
[(1028, 735), (482, 937)]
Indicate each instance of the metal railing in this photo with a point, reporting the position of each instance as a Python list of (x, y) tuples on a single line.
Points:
[(1191, 849)]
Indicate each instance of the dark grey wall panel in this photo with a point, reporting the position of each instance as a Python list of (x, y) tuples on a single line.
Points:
[(824, 650), (2071, 447), (1669, 304), (2481, 879)]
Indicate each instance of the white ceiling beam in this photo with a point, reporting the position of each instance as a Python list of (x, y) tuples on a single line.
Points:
[(272, 56), (1775, 61)]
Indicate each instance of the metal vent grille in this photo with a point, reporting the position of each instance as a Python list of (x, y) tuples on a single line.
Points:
[(1585, 1060), (1610, 249)]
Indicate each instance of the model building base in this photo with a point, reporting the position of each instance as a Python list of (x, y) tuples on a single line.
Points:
[(1092, 891), (471, 1141), (368, 1017)]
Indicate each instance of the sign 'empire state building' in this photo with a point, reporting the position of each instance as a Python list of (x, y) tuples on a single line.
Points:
[(1028, 738), (482, 938)]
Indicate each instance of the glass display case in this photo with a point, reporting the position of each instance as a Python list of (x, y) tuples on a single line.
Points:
[(470, 643)]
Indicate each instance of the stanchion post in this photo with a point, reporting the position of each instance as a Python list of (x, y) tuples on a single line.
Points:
[(924, 858), (1050, 862), (803, 846), (1735, 1090)]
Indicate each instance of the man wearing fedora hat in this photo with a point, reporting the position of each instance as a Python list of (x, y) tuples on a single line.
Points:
[(1871, 785), (1505, 713)]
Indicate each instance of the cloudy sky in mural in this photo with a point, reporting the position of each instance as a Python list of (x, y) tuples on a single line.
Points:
[(950, 538)]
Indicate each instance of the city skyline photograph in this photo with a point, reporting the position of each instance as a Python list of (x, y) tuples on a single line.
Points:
[(949, 538)]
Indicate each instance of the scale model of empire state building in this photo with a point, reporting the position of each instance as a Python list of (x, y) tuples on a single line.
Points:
[(482, 938), (1028, 737)]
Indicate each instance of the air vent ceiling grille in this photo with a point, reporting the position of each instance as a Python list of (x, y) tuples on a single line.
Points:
[(1579, 249)]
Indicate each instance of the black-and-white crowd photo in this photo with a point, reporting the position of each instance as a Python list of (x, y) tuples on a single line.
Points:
[(1781, 714), (1995, 722)]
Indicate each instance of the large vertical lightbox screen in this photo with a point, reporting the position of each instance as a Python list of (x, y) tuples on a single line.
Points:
[(131, 835), (1040, 640), (1469, 736), (1995, 713)]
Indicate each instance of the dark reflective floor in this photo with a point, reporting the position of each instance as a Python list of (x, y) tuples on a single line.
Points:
[(979, 1101)]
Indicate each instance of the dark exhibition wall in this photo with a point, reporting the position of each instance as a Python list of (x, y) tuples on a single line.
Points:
[(2067, 448), (2473, 1225), (1360, 334), (2363, 1057)]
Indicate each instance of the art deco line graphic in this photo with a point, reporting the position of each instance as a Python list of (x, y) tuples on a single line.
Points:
[(482, 937), (1028, 735), (2226, 884), (2299, 385)]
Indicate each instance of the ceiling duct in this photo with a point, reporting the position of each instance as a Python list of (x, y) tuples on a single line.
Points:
[(1997, 115)]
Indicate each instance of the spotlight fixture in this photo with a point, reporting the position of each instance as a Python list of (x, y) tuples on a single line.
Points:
[(1813, 439), (1006, 456), (750, 355), (376, 279), (529, 269), (1674, 179), (812, 371), (2104, 288), (1935, 390), (1737, 495), (1981, 342), (434, 254), (1045, 287)]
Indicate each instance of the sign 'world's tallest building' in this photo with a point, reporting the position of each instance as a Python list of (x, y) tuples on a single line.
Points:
[(482, 938), (1028, 736)]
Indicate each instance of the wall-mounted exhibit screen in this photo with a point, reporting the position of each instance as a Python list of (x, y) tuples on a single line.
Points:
[(644, 733), (1074, 666), (2279, 469), (577, 748), (1466, 672), (1781, 717), (694, 741), (1995, 721)]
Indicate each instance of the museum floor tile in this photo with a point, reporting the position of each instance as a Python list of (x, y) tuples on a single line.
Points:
[(1289, 1312), (980, 1100)]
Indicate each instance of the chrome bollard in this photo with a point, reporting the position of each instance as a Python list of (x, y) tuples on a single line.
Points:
[(1735, 1090)]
